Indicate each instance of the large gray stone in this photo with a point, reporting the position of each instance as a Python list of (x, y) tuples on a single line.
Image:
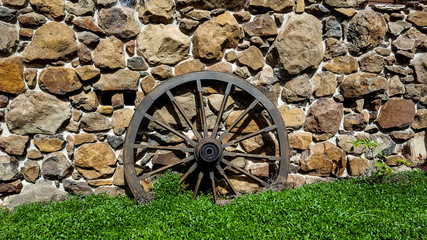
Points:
[(420, 66), (299, 47), (56, 166), (8, 38), (119, 22), (8, 168), (163, 44), (42, 191), (37, 112)]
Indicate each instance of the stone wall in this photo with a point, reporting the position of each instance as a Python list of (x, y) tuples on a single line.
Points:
[(72, 72)]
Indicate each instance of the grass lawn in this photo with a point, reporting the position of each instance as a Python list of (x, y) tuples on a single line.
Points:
[(394, 207)]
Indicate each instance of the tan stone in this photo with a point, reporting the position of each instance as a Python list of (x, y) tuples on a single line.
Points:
[(342, 65), (26, 32), (50, 8), (14, 3), (88, 72), (120, 80), (221, 67), (295, 180), (262, 25), (163, 44), (95, 160), (121, 119), (94, 122), (30, 75), (12, 75), (105, 110), (160, 11), (275, 5), (70, 146), (300, 140), (119, 176), (14, 144), (249, 124), (34, 154), (420, 120), (299, 8), (419, 18), (395, 86), (52, 42), (404, 108), (147, 84), (242, 184), (323, 159), (292, 116), (324, 84), (109, 53), (251, 57), (212, 37), (59, 80), (83, 138), (100, 182), (162, 72), (85, 101), (415, 150), (30, 171), (347, 12), (356, 166), (189, 66), (49, 143)]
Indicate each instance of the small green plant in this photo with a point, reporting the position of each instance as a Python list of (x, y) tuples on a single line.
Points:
[(167, 185), (381, 162)]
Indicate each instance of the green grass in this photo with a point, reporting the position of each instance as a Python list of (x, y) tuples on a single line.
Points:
[(392, 208)]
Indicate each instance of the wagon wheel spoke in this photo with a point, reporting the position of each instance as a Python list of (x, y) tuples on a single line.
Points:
[(221, 171), (212, 177), (221, 110), (181, 111), (247, 155), (263, 183), (151, 118), (190, 150), (249, 108), (189, 171), (267, 129), (185, 160), (199, 181), (203, 121)]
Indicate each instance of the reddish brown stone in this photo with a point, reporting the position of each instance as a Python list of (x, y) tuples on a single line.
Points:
[(88, 24), (262, 25), (324, 116), (396, 113), (59, 80)]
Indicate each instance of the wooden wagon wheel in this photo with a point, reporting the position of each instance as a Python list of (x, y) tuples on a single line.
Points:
[(204, 137)]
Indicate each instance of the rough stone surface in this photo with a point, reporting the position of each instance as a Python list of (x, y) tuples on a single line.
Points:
[(366, 30), (95, 160), (42, 191), (80, 8), (94, 122), (119, 176), (420, 120), (12, 75), (419, 18), (77, 188), (297, 89), (161, 11), (7, 15), (323, 159), (292, 116), (85, 101), (110, 190), (82, 138), (262, 25), (420, 66), (8, 168), (56, 166), (402, 135), (53, 41), (86, 23), (121, 119), (59, 80), (332, 28), (119, 22), (189, 66), (415, 150), (49, 143), (300, 140), (275, 5), (395, 86), (50, 8), (122, 79), (356, 166), (14, 144), (299, 44), (324, 116), (31, 19), (358, 85), (88, 38), (334, 48), (386, 146), (163, 44), (396, 113), (10, 187), (342, 65), (221, 67), (137, 63), (30, 171), (412, 40), (371, 62), (324, 84), (37, 112), (88, 72), (251, 57), (356, 121), (346, 4), (34, 154), (109, 53), (212, 37)]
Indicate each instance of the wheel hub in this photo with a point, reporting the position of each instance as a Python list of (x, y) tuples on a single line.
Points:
[(209, 151)]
